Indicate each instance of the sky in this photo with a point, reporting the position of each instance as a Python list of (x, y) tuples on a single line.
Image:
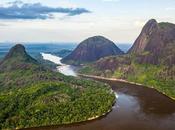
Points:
[(75, 20)]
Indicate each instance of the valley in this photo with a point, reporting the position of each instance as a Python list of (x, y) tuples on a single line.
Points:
[(87, 65), (109, 92)]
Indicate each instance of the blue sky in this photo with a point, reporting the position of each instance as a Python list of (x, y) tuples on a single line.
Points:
[(75, 20)]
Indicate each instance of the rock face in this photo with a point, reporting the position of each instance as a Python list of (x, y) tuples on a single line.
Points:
[(92, 49), (112, 63), (155, 44), (16, 58), (141, 42)]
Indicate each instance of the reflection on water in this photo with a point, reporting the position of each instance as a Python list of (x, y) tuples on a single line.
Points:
[(151, 102), (68, 70)]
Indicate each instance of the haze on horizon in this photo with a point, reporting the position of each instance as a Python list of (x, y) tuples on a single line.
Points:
[(74, 20)]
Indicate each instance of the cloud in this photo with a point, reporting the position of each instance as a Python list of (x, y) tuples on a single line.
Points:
[(2, 24), (16, 2), (20, 10)]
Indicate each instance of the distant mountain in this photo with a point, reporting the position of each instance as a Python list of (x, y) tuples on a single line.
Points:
[(92, 49), (34, 49), (156, 43), (62, 53), (17, 58), (124, 46)]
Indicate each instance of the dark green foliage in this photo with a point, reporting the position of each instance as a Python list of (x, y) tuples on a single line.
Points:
[(165, 25), (157, 77), (32, 95), (54, 103), (38, 97), (160, 77)]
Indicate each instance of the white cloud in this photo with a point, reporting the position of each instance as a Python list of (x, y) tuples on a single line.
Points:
[(3, 24), (74, 29)]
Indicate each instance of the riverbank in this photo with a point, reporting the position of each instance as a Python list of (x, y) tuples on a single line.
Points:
[(71, 124), (123, 81), (110, 79)]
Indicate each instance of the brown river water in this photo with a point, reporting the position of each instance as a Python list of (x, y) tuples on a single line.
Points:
[(136, 108)]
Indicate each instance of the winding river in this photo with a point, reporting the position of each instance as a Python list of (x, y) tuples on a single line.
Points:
[(62, 68), (136, 108)]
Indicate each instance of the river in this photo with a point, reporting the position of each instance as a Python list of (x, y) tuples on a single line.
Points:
[(136, 108), (68, 70)]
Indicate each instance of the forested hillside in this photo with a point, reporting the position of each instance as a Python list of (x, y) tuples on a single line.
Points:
[(32, 95)]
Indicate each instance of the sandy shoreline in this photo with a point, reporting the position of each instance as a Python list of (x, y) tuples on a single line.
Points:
[(123, 81), (110, 79)]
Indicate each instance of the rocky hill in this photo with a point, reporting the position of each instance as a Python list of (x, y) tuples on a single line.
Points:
[(92, 49), (155, 44), (150, 61), (17, 58)]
